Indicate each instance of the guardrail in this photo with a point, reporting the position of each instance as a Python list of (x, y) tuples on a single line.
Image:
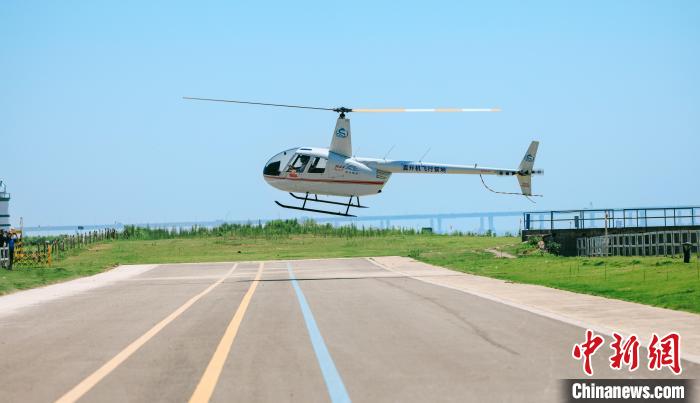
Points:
[(657, 243), (4, 256), (613, 218), (42, 252)]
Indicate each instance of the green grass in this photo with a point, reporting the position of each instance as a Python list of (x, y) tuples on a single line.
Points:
[(658, 281), (655, 281), (107, 254)]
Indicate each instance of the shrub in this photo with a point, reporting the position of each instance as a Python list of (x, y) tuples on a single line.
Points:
[(534, 241), (553, 247), (414, 253)]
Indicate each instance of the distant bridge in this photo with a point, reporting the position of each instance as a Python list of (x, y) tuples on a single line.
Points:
[(435, 221)]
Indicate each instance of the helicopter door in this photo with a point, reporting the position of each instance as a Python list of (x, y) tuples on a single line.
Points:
[(298, 165), (318, 165)]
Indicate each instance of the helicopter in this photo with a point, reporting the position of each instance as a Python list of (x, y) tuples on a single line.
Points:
[(309, 172)]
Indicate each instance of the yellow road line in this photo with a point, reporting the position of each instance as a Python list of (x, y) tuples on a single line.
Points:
[(206, 385), (88, 383)]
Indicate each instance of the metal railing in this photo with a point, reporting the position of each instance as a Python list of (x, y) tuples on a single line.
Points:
[(612, 218), (656, 243), (4, 256)]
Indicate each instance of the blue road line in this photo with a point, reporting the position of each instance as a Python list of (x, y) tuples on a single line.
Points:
[(336, 388)]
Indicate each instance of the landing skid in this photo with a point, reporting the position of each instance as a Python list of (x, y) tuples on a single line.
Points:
[(315, 199)]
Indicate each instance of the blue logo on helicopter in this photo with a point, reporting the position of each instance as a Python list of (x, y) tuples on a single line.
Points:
[(341, 133)]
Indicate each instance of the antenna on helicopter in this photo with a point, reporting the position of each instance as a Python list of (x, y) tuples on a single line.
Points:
[(424, 154), (390, 150), (529, 197)]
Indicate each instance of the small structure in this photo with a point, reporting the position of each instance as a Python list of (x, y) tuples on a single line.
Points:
[(648, 243), (4, 207), (629, 231)]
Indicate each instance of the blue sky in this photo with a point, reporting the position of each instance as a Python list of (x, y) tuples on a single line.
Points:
[(94, 129)]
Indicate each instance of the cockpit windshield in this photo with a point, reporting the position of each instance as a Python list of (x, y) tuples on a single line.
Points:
[(277, 163)]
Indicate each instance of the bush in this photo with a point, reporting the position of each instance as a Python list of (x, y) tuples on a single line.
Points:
[(534, 241), (270, 230), (414, 253), (553, 247)]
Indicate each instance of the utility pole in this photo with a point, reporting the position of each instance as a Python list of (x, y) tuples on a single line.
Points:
[(605, 242)]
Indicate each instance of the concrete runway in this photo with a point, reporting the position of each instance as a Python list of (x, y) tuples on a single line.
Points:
[(305, 331)]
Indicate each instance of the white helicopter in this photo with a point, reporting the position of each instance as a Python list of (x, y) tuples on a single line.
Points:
[(333, 171)]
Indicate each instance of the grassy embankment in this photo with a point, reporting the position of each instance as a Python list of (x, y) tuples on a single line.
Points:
[(656, 281), (275, 240)]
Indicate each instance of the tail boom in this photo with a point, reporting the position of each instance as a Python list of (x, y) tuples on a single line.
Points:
[(524, 172)]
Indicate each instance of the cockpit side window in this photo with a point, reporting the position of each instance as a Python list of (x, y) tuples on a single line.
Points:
[(318, 166), (299, 163)]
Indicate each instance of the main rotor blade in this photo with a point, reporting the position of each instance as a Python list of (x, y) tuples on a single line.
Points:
[(395, 110), (343, 109), (259, 103)]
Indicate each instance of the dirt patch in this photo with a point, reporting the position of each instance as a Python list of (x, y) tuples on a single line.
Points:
[(500, 254)]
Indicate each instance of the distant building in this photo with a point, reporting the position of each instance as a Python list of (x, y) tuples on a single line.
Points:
[(4, 207)]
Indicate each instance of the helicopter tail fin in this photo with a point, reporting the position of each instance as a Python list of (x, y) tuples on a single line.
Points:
[(342, 143), (525, 185), (526, 169), (528, 161)]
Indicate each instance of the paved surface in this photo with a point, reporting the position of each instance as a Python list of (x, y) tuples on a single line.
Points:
[(601, 314), (306, 331)]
